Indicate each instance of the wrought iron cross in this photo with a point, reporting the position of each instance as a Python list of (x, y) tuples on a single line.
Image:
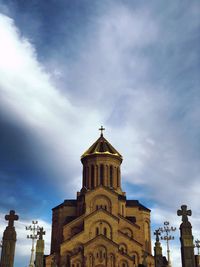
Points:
[(157, 233), (197, 245), (11, 218), (184, 213), (41, 233), (102, 129)]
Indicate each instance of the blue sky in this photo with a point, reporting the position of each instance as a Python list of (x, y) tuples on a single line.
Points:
[(68, 67)]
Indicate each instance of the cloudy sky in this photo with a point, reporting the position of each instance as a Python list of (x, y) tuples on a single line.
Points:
[(67, 67)]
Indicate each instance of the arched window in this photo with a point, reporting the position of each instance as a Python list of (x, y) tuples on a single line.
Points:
[(111, 176), (91, 261), (84, 176), (123, 248), (101, 254), (118, 174), (97, 231), (105, 231), (112, 260), (124, 264), (101, 174), (122, 210), (92, 176)]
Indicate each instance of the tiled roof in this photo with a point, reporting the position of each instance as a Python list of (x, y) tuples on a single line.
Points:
[(101, 146)]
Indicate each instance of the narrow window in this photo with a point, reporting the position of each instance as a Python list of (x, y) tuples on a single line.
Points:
[(92, 176), (97, 175), (101, 174), (87, 177), (117, 177), (97, 231), (122, 210), (105, 231), (111, 176), (84, 176), (100, 254)]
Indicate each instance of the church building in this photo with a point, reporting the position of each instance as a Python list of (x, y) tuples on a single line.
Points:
[(101, 227)]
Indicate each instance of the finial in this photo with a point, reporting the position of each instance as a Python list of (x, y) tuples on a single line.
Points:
[(157, 233), (101, 129), (184, 212), (11, 217)]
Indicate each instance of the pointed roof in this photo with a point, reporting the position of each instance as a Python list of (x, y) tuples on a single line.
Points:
[(101, 146)]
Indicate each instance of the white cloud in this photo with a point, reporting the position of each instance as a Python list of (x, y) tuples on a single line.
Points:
[(110, 83), (27, 93)]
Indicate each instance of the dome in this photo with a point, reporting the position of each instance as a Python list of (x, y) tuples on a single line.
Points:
[(101, 147)]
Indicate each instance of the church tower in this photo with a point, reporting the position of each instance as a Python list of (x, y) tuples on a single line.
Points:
[(100, 228)]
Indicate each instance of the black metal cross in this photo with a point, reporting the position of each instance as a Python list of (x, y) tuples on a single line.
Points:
[(11, 218), (157, 233), (197, 245), (102, 129), (184, 213), (41, 233)]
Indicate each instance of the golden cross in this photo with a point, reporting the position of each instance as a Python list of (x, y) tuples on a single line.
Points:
[(101, 129)]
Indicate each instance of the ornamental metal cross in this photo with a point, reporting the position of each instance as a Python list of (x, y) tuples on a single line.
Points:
[(11, 218), (197, 245), (184, 213), (157, 233), (41, 233), (102, 129)]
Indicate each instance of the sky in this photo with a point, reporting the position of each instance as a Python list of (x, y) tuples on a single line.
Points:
[(68, 67)]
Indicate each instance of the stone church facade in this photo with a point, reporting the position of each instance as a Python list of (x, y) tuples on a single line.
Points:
[(101, 227)]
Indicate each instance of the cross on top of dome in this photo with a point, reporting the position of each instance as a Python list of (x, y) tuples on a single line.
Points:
[(102, 129)]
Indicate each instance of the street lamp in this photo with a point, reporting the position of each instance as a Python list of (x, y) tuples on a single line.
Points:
[(33, 236), (197, 245), (167, 237)]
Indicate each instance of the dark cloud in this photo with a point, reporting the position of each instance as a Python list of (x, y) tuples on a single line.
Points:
[(49, 25), (23, 178)]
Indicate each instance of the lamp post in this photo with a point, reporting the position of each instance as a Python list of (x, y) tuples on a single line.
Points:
[(197, 245), (197, 258), (167, 237), (33, 236)]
